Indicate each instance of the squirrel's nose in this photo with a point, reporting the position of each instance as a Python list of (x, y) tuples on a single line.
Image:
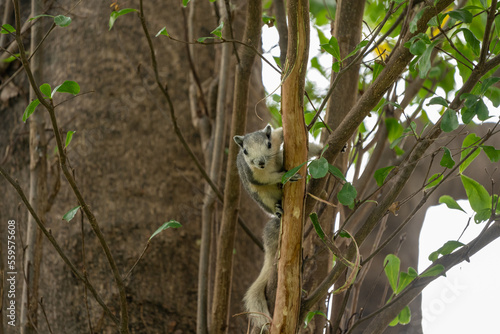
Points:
[(261, 163)]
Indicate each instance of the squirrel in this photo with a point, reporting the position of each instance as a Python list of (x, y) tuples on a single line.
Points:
[(260, 165), (255, 298)]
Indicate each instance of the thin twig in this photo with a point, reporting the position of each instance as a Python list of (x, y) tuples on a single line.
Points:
[(57, 247)]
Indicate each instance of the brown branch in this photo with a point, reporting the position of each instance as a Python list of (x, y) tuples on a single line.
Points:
[(383, 317), (486, 39), (215, 173), (400, 58), (400, 180), (223, 270), (351, 63), (56, 246), (289, 287)]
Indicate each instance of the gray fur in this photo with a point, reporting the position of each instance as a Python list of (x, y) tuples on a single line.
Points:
[(255, 298), (260, 165)]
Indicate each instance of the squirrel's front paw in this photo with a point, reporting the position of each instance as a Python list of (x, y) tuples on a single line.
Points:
[(278, 210), (296, 177)]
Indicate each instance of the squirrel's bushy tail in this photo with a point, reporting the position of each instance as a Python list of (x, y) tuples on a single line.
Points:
[(255, 298)]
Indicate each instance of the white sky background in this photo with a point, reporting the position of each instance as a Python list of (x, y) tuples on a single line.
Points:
[(466, 301)]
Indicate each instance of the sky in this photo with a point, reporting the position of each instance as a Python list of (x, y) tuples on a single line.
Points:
[(466, 300)]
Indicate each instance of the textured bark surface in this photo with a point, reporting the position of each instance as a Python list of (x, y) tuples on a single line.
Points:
[(130, 168)]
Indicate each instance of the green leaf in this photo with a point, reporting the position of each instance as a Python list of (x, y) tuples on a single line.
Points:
[(487, 83), (467, 146), (433, 256), (11, 58), (492, 153), (461, 15), (478, 196), (446, 249), (434, 271), (71, 214), (315, 64), (358, 47), (203, 39), (377, 69), (288, 175), (415, 38), (449, 121), (394, 322), (381, 174), (170, 224), (450, 202), (317, 226), (404, 280), (269, 20), (424, 62), (332, 48), (438, 100), (470, 99), (482, 111), (311, 315), (404, 316), (163, 31), (391, 268), (62, 21), (434, 180), (482, 216), (41, 15), (46, 89), (69, 136), (413, 23), (116, 14), (449, 247), (185, 3), (394, 129), (67, 86), (336, 172), (218, 31), (493, 94), (471, 40), (7, 29), (336, 67), (30, 109), (344, 234), (447, 160), (318, 168), (347, 194), (467, 114), (418, 48)]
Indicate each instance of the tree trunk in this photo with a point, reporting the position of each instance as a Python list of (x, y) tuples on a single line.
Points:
[(288, 294), (131, 169)]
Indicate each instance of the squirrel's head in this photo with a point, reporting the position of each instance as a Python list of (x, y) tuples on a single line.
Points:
[(258, 147)]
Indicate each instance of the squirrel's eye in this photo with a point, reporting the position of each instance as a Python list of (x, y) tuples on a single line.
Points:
[(245, 152), (268, 144)]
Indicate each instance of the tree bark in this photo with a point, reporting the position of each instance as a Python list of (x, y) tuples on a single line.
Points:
[(224, 261), (287, 306)]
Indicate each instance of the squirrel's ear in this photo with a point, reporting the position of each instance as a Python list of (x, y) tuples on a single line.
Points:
[(238, 140), (268, 129)]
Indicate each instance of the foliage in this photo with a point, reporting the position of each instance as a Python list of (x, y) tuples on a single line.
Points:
[(427, 74)]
